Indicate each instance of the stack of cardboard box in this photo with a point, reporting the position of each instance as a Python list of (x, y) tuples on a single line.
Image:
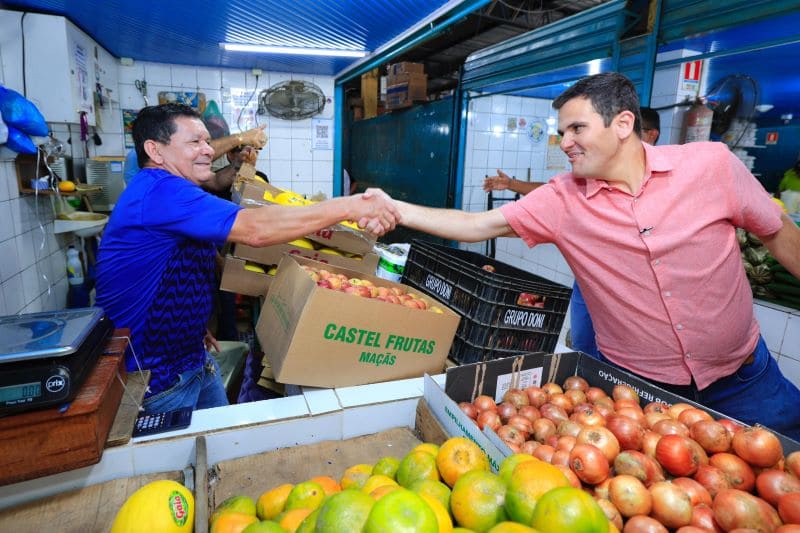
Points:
[(406, 83), (338, 245)]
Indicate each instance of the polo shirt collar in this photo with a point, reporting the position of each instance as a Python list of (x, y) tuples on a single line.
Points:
[(654, 161)]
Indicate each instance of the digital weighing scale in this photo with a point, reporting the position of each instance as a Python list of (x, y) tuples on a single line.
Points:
[(45, 357)]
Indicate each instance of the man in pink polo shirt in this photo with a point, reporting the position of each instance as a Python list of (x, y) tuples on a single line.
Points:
[(649, 232)]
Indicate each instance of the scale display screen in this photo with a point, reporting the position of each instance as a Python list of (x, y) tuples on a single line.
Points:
[(21, 392)]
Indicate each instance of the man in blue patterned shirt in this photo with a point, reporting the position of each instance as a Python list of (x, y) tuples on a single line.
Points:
[(155, 266)]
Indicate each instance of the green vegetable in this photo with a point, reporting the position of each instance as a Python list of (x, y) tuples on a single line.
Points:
[(785, 277), (756, 256), (784, 289)]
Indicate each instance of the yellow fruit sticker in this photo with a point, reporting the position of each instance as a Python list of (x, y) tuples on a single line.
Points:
[(178, 508)]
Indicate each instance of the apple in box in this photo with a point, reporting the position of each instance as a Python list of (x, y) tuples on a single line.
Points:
[(328, 326)]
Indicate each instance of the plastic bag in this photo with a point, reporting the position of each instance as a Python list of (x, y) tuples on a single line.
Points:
[(19, 142), (19, 112), (215, 122)]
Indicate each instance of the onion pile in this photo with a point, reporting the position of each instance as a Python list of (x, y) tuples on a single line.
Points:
[(655, 467)]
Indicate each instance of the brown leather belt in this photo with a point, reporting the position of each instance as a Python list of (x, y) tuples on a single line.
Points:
[(750, 359)]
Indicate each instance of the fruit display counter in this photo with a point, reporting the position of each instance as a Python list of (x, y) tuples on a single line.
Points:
[(232, 432)]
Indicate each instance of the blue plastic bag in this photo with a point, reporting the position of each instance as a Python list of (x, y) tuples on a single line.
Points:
[(19, 112), (19, 142)]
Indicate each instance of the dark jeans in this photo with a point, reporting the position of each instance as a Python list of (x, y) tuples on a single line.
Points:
[(757, 393), (199, 388), (580, 324)]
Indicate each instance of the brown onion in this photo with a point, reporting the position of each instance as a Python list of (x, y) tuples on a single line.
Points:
[(757, 446)]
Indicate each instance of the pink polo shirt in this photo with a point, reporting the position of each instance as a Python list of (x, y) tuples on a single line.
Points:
[(660, 270)]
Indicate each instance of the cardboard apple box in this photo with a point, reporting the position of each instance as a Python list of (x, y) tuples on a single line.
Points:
[(321, 337), (339, 236), (235, 278), (271, 255)]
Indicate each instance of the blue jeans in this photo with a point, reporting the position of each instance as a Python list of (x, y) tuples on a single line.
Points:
[(757, 393), (199, 388), (581, 327)]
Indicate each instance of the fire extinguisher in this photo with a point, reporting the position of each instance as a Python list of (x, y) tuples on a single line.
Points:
[(697, 123)]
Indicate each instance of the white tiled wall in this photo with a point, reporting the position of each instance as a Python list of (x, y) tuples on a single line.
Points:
[(32, 258), (288, 158), (491, 146)]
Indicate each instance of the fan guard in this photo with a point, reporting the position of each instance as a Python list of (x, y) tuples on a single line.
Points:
[(292, 100)]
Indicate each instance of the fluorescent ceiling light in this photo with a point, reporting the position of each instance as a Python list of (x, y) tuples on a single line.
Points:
[(292, 50)]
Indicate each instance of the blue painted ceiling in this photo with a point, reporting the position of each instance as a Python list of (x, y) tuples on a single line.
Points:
[(189, 33)]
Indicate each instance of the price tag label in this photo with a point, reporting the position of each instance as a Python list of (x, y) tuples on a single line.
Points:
[(527, 378)]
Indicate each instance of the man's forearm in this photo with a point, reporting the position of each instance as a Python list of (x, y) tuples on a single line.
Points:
[(454, 224)]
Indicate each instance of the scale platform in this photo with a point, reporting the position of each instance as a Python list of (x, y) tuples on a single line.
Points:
[(45, 357)]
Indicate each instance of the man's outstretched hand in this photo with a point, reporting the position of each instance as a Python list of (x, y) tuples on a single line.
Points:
[(376, 211)]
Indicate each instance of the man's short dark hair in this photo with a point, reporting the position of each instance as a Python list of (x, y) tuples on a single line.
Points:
[(157, 123), (610, 94), (650, 120)]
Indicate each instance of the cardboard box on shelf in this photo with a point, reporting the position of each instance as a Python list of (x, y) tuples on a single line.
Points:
[(325, 338), (405, 89), (405, 67), (497, 376), (235, 278), (339, 236), (271, 255)]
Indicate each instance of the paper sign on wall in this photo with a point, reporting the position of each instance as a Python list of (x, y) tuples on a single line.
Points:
[(322, 134)]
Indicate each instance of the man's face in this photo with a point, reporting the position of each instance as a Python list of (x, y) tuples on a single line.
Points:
[(188, 153), (589, 145), (649, 135)]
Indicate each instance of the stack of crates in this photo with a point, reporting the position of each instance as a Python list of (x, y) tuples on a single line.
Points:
[(504, 310)]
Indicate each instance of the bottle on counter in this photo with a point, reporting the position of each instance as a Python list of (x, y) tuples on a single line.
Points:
[(74, 267)]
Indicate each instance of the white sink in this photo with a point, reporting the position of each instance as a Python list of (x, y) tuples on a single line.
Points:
[(81, 223)]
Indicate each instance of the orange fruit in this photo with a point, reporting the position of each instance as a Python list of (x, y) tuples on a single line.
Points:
[(436, 489), (457, 456), (429, 447), (237, 504), (386, 466), (383, 490), (305, 495), (443, 519), (477, 500), (355, 476), (510, 463), (401, 511), (417, 465), (232, 522), (375, 481), (529, 481), (290, 520), (344, 512), (568, 509), (511, 527), (329, 485), (272, 503)]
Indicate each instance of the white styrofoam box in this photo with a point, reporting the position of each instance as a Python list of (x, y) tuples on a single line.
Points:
[(499, 102), (302, 170), (157, 74), (790, 368), (322, 171), (772, 322), (791, 340)]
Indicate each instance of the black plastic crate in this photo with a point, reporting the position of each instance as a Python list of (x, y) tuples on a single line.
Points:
[(503, 312)]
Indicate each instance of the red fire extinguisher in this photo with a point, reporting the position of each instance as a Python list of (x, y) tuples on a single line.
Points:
[(697, 123)]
